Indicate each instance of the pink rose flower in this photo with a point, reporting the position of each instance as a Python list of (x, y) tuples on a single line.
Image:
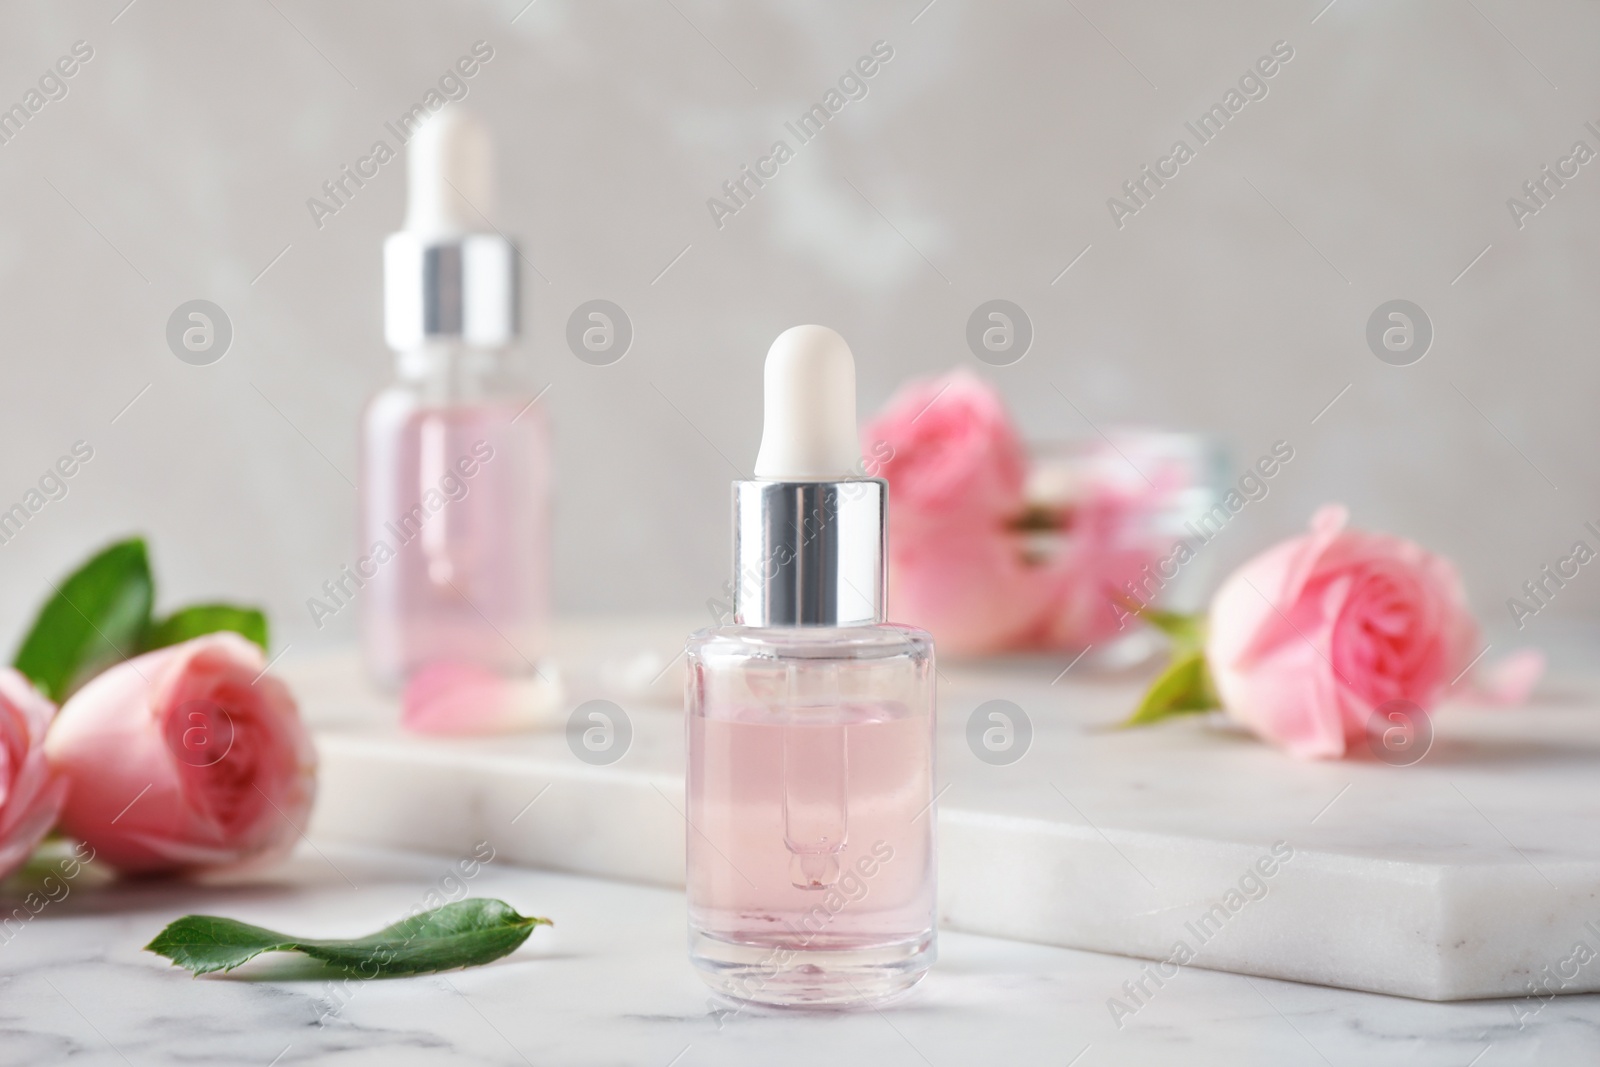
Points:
[(185, 757), (30, 791), (969, 587), (1309, 638), (955, 468), (956, 458)]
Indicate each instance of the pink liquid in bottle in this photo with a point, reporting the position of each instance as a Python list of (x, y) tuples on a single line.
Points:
[(810, 846), (455, 531)]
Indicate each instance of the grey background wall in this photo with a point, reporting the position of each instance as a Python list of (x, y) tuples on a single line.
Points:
[(979, 165)]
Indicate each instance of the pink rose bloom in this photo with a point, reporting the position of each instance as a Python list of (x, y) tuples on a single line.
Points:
[(30, 791), (1310, 637), (185, 757), (956, 456), (955, 468), (969, 587)]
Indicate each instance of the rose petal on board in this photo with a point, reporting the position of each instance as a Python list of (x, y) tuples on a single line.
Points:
[(462, 699), (1508, 682)]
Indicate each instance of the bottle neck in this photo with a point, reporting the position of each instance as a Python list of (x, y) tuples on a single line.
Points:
[(810, 553), (453, 370)]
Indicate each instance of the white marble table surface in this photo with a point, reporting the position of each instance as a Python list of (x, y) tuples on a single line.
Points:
[(1466, 875), (610, 984)]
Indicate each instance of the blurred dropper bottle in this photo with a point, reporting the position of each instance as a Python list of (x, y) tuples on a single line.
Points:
[(455, 480)]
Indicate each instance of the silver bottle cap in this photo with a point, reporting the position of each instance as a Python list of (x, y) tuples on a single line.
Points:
[(810, 553), (449, 287)]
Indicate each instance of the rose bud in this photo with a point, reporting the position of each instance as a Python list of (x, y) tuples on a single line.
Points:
[(30, 791), (183, 758)]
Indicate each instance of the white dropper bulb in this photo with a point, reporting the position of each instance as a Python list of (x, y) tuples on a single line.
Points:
[(448, 179), (810, 422)]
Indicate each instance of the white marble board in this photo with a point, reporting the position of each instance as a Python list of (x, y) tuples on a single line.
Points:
[(1470, 874)]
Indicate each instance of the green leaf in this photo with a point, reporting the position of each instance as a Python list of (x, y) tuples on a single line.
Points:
[(94, 619), (198, 619), (462, 934), (1184, 688)]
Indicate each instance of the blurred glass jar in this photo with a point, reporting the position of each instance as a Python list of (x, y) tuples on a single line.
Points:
[(1097, 540), (1112, 526)]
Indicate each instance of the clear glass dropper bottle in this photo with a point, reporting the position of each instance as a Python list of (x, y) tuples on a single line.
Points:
[(455, 479), (811, 869)]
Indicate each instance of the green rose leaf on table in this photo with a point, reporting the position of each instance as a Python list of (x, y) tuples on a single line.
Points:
[(465, 933), (95, 618), (1184, 687)]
